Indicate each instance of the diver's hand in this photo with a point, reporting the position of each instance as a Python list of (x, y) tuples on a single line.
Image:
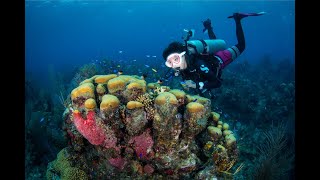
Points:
[(190, 84), (201, 84), (207, 24)]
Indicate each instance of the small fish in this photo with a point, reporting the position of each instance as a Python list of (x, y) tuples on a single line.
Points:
[(146, 65), (262, 12), (134, 60), (178, 116), (42, 119), (147, 56), (120, 72), (154, 70), (195, 100), (154, 56), (120, 52), (183, 84), (118, 66), (159, 81), (140, 155)]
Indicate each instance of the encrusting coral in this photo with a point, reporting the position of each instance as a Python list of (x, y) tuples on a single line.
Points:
[(119, 126)]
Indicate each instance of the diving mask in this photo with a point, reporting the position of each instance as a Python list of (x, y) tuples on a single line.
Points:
[(174, 60)]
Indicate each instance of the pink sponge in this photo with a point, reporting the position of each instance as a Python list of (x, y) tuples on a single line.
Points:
[(143, 145), (96, 134), (118, 162)]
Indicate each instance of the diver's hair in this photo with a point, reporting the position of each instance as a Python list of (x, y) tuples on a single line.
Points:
[(174, 47)]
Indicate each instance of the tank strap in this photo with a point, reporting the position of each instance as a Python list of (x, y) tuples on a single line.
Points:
[(194, 47), (204, 47)]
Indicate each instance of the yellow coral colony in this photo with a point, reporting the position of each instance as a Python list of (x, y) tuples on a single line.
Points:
[(109, 102), (162, 98), (89, 80), (227, 132), (103, 79), (153, 85), (198, 99), (100, 89), (86, 81), (85, 90), (138, 84), (208, 145), (120, 82), (230, 140), (215, 116), (134, 104), (90, 104), (116, 84), (194, 107), (214, 132), (225, 126), (180, 95)]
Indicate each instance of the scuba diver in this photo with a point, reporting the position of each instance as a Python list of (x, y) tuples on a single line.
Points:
[(200, 62)]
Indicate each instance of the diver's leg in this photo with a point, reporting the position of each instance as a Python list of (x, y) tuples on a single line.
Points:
[(230, 54), (239, 32)]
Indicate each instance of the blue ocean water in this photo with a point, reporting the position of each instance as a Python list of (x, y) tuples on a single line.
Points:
[(64, 34)]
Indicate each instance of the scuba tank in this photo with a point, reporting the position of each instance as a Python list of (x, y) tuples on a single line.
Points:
[(209, 46)]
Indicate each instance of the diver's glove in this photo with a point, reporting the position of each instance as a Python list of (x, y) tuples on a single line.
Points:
[(201, 84), (207, 25)]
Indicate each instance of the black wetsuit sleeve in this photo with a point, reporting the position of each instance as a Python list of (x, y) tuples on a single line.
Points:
[(211, 33)]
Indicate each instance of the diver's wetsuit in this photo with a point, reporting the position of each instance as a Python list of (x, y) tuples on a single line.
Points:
[(207, 68)]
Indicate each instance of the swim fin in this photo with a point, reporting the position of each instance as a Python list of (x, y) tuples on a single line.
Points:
[(249, 14)]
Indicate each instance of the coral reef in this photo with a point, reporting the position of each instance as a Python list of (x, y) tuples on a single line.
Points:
[(62, 167), (253, 100), (118, 126)]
